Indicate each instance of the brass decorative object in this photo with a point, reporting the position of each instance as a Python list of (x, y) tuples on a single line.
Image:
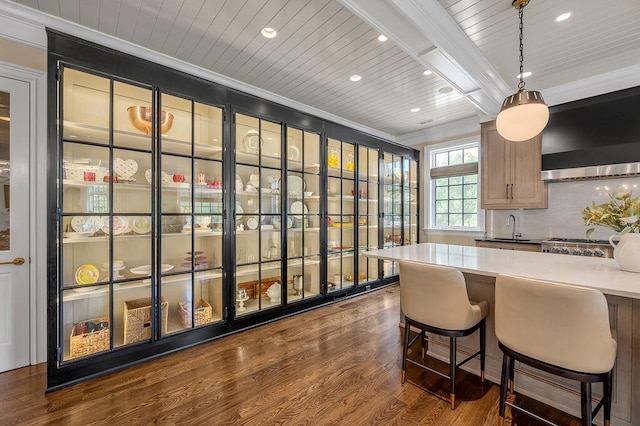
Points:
[(141, 117)]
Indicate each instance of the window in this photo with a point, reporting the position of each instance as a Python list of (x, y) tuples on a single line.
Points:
[(453, 198)]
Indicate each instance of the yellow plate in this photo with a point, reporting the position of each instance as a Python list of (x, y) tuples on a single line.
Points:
[(342, 225), (87, 274)]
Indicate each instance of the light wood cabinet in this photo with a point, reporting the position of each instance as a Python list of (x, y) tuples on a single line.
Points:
[(510, 171)]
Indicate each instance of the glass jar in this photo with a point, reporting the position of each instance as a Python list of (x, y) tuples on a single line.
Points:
[(351, 165), (333, 159)]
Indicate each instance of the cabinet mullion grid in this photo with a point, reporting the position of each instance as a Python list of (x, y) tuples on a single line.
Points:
[(193, 217), (111, 204), (284, 205), (59, 210)]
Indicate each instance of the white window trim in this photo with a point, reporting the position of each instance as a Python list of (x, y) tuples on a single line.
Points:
[(428, 192)]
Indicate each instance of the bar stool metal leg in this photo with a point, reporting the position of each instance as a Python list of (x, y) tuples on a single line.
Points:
[(503, 383), (483, 340), (607, 386), (452, 374), (585, 403), (405, 348)]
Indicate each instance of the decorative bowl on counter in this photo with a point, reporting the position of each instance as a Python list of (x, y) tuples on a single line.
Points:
[(141, 118)]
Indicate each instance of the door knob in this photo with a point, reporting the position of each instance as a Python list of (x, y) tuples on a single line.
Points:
[(16, 261)]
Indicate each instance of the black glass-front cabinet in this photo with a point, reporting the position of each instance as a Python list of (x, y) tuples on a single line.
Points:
[(183, 210)]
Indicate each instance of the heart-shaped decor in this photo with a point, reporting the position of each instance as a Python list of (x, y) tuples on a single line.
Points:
[(125, 169)]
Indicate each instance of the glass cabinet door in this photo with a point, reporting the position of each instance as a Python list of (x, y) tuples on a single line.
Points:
[(410, 202), (124, 205), (106, 220), (258, 215), (392, 202), (341, 157), (368, 209), (303, 214), (190, 182)]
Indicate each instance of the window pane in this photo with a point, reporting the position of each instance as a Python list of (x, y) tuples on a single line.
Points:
[(471, 155), (442, 220), (442, 159), (442, 193), (455, 206), (455, 192), (470, 206), (455, 157), (455, 180), (471, 191), (442, 206), (470, 220), (455, 220), (442, 182), (471, 179)]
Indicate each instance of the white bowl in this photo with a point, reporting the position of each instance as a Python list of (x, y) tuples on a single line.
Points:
[(308, 193)]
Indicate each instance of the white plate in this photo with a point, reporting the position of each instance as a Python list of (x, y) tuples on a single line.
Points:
[(120, 225), (146, 269), (292, 152), (252, 223), (295, 185), (141, 225), (76, 234), (86, 223), (299, 208), (148, 176)]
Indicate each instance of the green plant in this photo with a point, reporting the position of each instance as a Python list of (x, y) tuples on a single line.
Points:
[(621, 213)]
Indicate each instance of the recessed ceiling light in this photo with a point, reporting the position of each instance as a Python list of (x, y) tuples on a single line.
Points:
[(355, 77), (563, 17), (269, 32), (427, 72), (445, 90), (382, 38), (415, 109), (524, 74)]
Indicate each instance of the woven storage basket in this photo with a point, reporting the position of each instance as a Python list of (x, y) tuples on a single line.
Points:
[(89, 343), (203, 314), (137, 319)]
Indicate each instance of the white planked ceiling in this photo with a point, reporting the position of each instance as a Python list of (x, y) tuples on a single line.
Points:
[(321, 43)]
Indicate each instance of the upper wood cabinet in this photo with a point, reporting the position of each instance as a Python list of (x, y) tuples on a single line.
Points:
[(510, 172)]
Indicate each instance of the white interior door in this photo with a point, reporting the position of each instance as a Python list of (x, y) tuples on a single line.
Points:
[(14, 224)]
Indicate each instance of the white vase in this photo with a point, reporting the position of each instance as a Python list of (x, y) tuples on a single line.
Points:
[(626, 251)]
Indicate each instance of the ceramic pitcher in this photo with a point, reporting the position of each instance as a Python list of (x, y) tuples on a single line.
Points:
[(626, 251)]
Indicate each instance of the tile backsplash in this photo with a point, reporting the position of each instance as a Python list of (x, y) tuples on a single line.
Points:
[(563, 218)]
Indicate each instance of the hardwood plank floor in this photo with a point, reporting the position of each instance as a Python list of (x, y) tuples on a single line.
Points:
[(336, 365)]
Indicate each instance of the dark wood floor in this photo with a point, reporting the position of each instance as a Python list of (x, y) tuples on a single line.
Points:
[(336, 365)]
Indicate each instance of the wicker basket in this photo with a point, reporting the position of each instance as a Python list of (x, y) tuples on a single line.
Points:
[(203, 314), (89, 343), (137, 319)]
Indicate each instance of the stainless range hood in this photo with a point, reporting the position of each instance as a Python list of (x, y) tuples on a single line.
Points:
[(593, 138)]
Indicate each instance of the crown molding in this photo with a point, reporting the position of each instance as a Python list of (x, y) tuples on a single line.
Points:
[(25, 25)]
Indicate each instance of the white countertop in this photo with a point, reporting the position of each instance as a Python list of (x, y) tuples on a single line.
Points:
[(601, 274)]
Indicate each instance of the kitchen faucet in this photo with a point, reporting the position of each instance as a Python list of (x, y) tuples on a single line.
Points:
[(513, 230)]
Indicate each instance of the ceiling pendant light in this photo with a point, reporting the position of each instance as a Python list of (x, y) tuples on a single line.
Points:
[(524, 114)]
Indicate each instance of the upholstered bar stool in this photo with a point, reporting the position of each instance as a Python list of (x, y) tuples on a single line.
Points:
[(557, 328), (434, 299)]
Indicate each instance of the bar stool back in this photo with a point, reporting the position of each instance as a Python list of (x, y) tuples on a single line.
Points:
[(434, 299), (558, 328)]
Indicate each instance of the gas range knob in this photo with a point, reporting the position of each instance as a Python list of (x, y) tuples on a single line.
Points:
[(587, 252), (576, 252), (564, 250), (555, 249), (598, 252)]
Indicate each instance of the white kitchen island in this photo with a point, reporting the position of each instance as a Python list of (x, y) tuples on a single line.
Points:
[(480, 267)]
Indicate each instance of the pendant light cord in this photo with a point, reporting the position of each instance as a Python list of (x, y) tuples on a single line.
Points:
[(520, 15)]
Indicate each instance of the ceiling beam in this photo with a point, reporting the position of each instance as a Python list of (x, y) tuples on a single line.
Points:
[(427, 33)]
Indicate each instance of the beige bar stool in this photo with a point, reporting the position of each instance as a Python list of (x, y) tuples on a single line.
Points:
[(434, 299), (558, 328)]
